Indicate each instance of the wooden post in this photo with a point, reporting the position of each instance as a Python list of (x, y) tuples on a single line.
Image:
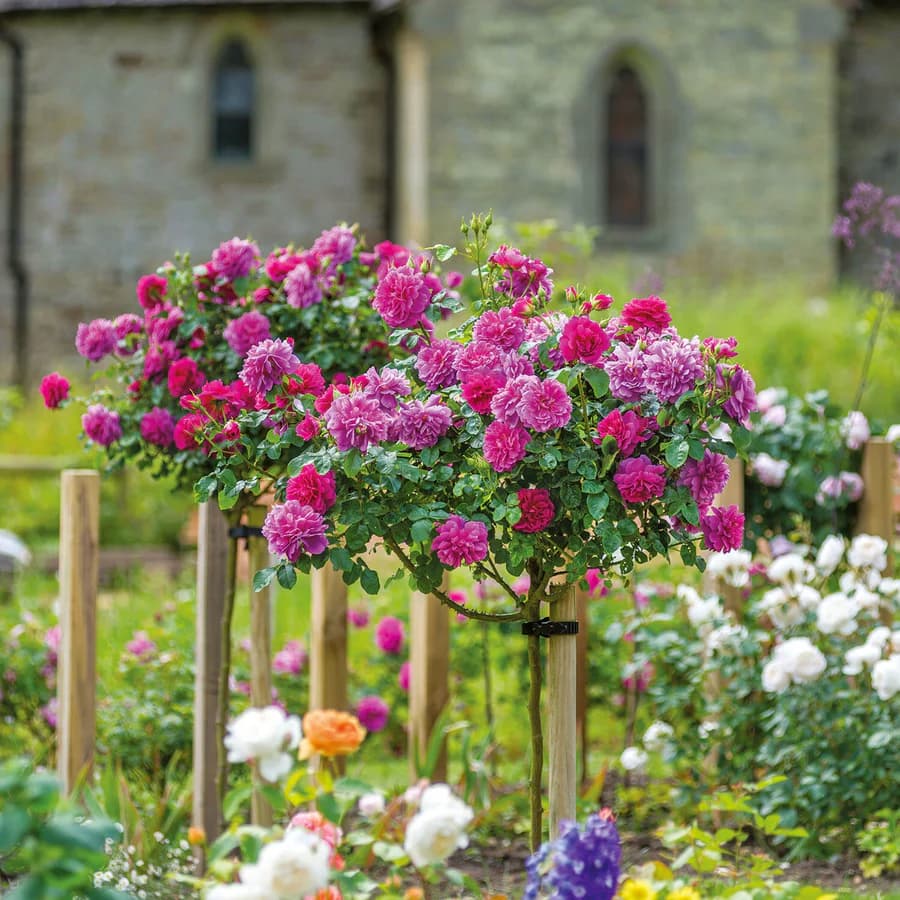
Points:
[(260, 644), (79, 539), (876, 508), (212, 566), (328, 641), (561, 703), (732, 495), (582, 678), (429, 689), (411, 183)]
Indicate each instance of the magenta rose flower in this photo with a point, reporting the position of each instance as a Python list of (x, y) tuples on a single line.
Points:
[(235, 258), (638, 480), (389, 635), (246, 330), (266, 364), (101, 425), (583, 340), (545, 405), (704, 477), (54, 389), (647, 312), (436, 364), (460, 541), (373, 713), (313, 489), (723, 528), (151, 291), (158, 427), (537, 510), (293, 528), (185, 377), (401, 297), (505, 445), (501, 327), (480, 386), (301, 287), (96, 339), (628, 428)]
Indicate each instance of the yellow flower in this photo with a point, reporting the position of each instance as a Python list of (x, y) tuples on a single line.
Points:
[(683, 893), (637, 889)]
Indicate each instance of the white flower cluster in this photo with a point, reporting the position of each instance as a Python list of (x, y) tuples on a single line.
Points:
[(795, 661), (263, 735), (872, 654), (702, 612), (657, 739), (732, 567), (293, 867), (438, 828)]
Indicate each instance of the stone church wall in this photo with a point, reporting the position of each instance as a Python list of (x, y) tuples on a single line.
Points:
[(118, 169)]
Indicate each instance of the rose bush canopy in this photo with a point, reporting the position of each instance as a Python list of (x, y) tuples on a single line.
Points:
[(544, 433), (175, 363)]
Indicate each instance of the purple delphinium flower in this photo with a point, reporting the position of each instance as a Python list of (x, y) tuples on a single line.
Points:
[(235, 258), (505, 445), (140, 646), (705, 477), (301, 288), (266, 364), (389, 635), (436, 364), (625, 367), (421, 425), (580, 863), (372, 713), (460, 541), (101, 425), (290, 660), (545, 405), (293, 528), (501, 327), (356, 420), (246, 330), (96, 339), (673, 368)]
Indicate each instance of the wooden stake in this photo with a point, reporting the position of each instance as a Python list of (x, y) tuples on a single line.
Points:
[(561, 704), (429, 689), (876, 508), (79, 540), (260, 644), (212, 566), (732, 495), (328, 641), (582, 678)]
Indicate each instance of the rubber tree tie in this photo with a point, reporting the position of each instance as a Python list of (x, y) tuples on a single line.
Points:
[(547, 627), (245, 531)]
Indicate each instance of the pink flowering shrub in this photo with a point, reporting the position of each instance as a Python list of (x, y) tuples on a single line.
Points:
[(525, 440), (210, 340)]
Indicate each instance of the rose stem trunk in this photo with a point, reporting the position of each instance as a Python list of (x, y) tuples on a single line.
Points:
[(532, 613)]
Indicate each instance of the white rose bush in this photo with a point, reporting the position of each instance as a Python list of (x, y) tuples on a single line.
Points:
[(804, 682)]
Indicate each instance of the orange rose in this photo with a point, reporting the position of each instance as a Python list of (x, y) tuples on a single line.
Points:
[(196, 836), (414, 893), (330, 733)]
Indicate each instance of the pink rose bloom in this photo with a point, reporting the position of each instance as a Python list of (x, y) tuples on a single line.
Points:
[(151, 291), (158, 427), (647, 312), (336, 246), (672, 368), (308, 428), (307, 379), (501, 327), (480, 386), (638, 480), (290, 660), (140, 646), (266, 364), (625, 367), (851, 485), (313, 489), (293, 528), (505, 404), (460, 541), (279, 264), (478, 356), (389, 635), (401, 297), (372, 713), (545, 405), (775, 416), (594, 579), (537, 510), (316, 823), (385, 386), (505, 445), (855, 429), (358, 616), (739, 385), (421, 425), (126, 324), (101, 425), (158, 358), (185, 377), (723, 528), (628, 428), (583, 340), (705, 477), (54, 390), (436, 364), (356, 420), (522, 585), (235, 258), (301, 287), (188, 433), (403, 677), (246, 330), (96, 339)]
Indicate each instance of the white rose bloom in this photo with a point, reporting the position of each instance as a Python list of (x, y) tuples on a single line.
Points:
[(293, 867), (808, 597), (732, 567), (439, 828), (893, 434), (768, 470), (886, 677), (879, 636), (704, 611), (867, 551), (705, 729), (633, 758), (790, 569), (767, 398), (263, 735), (687, 594), (798, 659), (775, 678), (830, 554), (371, 804), (656, 737), (238, 892), (855, 429), (889, 588), (895, 641), (775, 415), (858, 657), (866, 599), (837, 614), (724, 637), (413, 794)]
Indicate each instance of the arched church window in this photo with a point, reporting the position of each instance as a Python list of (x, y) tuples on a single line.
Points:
[(233, 98), (627, 157)]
